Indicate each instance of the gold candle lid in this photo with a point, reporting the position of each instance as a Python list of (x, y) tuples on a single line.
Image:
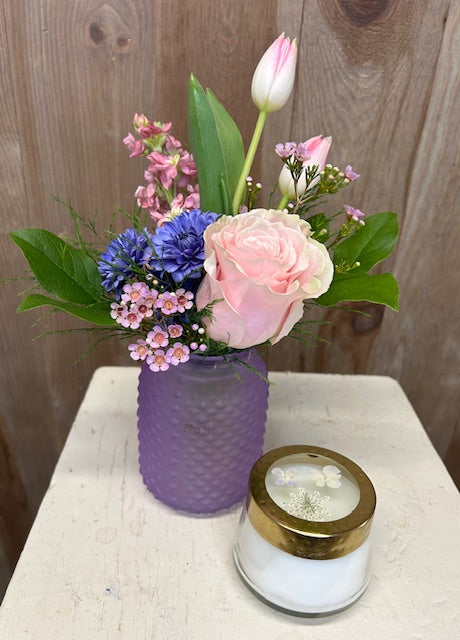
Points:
[(320, 540)]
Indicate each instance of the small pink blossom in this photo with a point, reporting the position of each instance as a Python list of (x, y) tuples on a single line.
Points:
[(354, 214), (157, 338), (193, 346), (175, 330), (167, 302), (134, 292), (350, 174), (139, 350), (184, 300), (116, 310), (285, 150), (302, 153), (159, 361), (144, 310), (131, 318), (150, 298), (178, 353)]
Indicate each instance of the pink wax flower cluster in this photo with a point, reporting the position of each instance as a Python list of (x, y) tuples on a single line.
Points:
[(171, 176), (160, 347)]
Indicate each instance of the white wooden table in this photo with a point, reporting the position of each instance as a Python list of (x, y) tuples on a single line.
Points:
[(106, 560)]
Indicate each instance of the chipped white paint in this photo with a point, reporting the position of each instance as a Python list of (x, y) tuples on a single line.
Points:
[(105, 560)]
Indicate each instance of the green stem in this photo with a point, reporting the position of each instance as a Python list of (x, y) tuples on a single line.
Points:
[(283, 202), (248, 161)]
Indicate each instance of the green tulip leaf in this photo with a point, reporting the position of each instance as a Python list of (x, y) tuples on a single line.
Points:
[(216, 146), (370, 244), (60, 269), (357, 286), (230, 140), (98, 313)]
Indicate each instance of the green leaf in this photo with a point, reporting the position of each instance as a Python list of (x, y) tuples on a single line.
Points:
[(230, 140), (320, 227), (59, 268), (225, 194), (216, 146), (98, 313), (355, 286), (370, 244)]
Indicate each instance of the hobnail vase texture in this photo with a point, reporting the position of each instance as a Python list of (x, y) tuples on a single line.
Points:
[(201, 428)]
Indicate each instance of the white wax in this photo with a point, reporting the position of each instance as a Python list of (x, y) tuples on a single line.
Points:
[(301, 584), (319, 493)]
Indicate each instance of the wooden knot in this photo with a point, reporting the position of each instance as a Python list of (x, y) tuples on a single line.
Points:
[(364, 323), (107, 27), (362, 13)]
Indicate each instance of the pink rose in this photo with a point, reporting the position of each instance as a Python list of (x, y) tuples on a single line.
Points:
[(261, 265)]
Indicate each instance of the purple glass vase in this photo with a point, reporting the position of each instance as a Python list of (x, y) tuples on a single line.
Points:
[(201, 428)]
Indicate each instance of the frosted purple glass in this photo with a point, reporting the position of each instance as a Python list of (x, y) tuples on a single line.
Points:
[(201, 428)]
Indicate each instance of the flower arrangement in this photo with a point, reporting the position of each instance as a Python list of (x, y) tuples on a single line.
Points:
[(202, 267)]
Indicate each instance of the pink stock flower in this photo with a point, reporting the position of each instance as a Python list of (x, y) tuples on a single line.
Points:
[(136, 147), (171, 144), (146, 197), (192, 201), (147, 129), (317, 149), (187, 165), (163, 168), (260, 267), (274, 75)]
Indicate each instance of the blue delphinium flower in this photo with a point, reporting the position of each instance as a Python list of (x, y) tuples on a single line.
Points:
[(126, 252), (179, 245)]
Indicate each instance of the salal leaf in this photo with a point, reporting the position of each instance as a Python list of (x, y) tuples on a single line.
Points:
[(98, 313), (370, 244), (216, 146), (355, 286), (60, 269)]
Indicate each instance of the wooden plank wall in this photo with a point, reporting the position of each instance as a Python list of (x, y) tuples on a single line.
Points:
[(381, 76)]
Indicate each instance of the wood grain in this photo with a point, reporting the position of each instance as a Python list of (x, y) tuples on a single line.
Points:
[(380, 76)]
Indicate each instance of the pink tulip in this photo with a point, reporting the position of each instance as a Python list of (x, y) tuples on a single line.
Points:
[(274, 76), (317, 149)]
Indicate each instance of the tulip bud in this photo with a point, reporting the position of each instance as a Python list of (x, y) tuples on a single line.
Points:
[(318, 148), (274, 76)]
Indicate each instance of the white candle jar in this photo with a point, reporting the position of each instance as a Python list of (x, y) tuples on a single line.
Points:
[(303, 542)]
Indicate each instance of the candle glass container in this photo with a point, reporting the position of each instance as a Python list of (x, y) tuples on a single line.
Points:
[(303, 543)]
